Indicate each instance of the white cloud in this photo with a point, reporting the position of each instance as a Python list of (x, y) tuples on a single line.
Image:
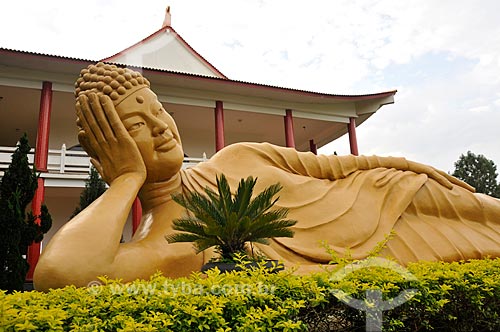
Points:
[(479, 109), (442, 56)]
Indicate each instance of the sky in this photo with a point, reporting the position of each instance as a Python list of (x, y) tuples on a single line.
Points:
[(443, 57)]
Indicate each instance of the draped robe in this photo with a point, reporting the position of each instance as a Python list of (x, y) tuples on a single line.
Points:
[(353, 203)]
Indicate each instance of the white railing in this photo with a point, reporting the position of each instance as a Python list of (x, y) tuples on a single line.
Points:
[(66, 161)]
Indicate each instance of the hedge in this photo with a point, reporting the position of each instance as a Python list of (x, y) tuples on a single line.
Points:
[(461, 296)]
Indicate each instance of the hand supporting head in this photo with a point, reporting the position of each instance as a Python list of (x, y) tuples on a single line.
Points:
[(115, 106)]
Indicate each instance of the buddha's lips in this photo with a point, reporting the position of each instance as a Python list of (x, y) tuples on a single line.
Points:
[(166, 144)]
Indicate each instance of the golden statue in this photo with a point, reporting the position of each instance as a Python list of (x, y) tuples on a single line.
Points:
[(350, 202)]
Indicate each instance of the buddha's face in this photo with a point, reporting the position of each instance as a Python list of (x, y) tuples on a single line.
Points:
[(154, 132)]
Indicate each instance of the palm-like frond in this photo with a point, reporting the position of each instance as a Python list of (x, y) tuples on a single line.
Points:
[(190, 225), (229, 221), (243, 196), (263, 202)]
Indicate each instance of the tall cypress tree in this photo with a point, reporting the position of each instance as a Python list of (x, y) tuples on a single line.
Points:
[(18, 229), (94, 187)]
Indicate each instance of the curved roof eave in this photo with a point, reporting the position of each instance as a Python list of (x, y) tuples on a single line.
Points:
[(191, 80), (215, 81), (46, 55)]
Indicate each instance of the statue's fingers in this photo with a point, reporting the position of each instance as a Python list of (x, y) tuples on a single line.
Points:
[(105, 133), (441, 179), (85, 142), (88, 121), (420, 168), (457, 182), (431, 172), (85, 134), (81, 122), (114, 121), (466, 186)]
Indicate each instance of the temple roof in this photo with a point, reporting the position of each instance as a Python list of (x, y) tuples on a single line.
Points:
[(165, 49)]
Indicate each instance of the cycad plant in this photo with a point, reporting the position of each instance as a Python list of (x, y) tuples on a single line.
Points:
[(229, 222)]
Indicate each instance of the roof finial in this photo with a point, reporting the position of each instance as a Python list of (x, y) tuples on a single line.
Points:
[(168, 18)]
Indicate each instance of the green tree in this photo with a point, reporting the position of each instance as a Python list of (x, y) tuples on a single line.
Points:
[(478, 171), (228, 222), (94, 187), (18, 229)]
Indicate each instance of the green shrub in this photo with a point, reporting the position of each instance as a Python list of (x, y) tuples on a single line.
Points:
[(461, 296)]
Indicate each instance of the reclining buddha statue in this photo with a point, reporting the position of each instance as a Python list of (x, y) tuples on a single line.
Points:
[(350, 202)]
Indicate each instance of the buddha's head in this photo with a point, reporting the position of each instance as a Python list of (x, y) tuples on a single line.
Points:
[(141, 113)]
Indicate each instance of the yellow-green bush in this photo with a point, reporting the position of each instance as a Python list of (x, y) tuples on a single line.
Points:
[(450, 296)]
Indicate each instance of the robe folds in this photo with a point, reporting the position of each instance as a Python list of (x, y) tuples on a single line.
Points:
[(353, 203)]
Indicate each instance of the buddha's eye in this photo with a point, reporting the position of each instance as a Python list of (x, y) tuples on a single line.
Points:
[(135, 126)]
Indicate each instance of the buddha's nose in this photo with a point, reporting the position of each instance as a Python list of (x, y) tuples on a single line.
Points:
[(159, 127)]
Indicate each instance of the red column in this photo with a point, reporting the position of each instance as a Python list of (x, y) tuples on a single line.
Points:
[(353, 142), (42, 138), (136, 215), (289, 137), (312, 147), (219, 125), (41, 157)]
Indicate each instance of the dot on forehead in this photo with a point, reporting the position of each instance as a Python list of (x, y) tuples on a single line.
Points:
[(140, 99)]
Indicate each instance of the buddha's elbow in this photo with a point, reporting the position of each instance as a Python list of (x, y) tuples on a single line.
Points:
[(51, 274), (43, 277)]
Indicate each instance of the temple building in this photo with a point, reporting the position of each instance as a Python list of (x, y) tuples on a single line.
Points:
[(210, 109)]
